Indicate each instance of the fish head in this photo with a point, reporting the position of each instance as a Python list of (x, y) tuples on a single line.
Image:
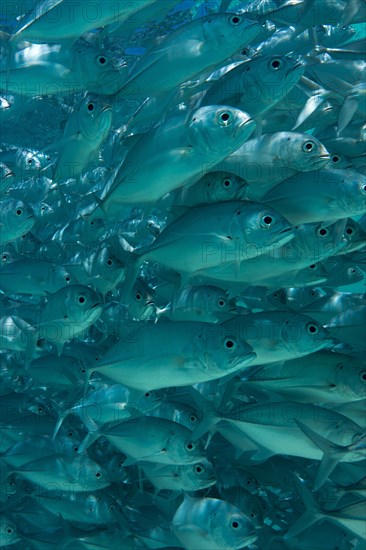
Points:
[(107, 265), (351, 378), (231, 527), (229, 31), (30, 162), (219, 130), (7, 177), (270, 77), (90, 474), (8, 532), (217, 300), (222, 186), (198, 476), (141, 303), (352, 191), (81, 304), (304, 152), (228, 347), (19, 215), (184, 451), (102, 74), (354, 235), (94, 118), (303, 335), (262, 226)]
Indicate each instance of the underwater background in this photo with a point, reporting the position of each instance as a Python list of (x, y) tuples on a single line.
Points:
[(182, 230)]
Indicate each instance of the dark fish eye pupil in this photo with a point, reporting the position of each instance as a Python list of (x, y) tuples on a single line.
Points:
[(363, 376), (9, 530), (189, 446), (98, 474), (312, 328), (198, 469), (275, 64), (81, 299), (227, 183), (109, 262), (309, 146), (19, 212), (312, 266), (90, 107), (138, 296), (225, 117), (267, 220), (147, 394), (335, 159), (229, 344), (29, 161), (235, 20), (323, 232), (349, 230), (235, 524), (102, 60)]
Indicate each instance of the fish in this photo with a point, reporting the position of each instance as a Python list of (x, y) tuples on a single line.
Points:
[(189, 143), (266, 161), (227, 527), (85, 131), (188, 353), (68, 313), (341, 379), (192, 49), (344, 192), (153, 440), (17, 218), (257, 84)]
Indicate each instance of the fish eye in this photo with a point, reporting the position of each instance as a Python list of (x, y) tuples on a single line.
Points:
[(91, 106), (267, 220), (227, 183), (312, 266), (275, 64), (81, 299), (199, 469), (98, 475), (30, 161), (109, 261), (147, 394), (311, 328), (225, 118), (19, 212), (363, 375), (335, 159), (101, 60), (138, 296), (193, 418), (235, 20), (349, 231), (244, 52), (322, 231), (67, 278), (235, 524), (82, 370), (9, 530), (229, 343), (309, 146), (5, 257), (363, 189), (221, 302), (190, 446), (75, 448)]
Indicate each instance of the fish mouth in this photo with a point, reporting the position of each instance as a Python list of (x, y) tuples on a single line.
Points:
[(297, 66), (243, 124), (282, 237), (106, 108), (96, 305)]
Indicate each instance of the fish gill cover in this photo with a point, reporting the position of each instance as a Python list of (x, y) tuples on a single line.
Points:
[(182, 228)]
